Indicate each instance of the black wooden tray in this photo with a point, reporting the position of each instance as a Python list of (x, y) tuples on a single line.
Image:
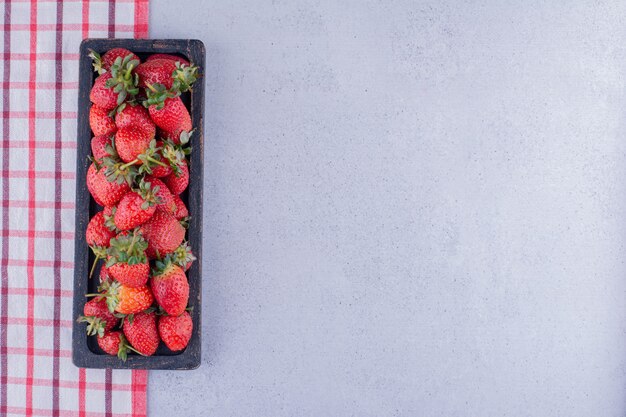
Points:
[(85, 350)]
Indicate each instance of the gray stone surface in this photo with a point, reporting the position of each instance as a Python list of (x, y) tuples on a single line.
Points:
[(412, 209)]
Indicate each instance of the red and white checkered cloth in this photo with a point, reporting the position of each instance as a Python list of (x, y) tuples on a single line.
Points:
[(39, 70)]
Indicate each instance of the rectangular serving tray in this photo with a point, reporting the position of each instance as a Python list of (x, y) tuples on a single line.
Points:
[(85, 350)]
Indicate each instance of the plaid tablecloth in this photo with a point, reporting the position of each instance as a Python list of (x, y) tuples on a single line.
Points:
[(39, 72)]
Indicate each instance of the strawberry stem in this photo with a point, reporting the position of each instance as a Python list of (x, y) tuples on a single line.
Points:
[(132, 243), (156, 161), (93, 266), (133, 162)]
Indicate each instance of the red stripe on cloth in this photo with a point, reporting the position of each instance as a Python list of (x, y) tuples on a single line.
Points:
[(68, 27), (30, 270), (37, 174), (42, 292), (47, 56), (31, 321), (85, 19), (72, 1), (4, 262), (39, 234), (43, 144), (62, 353), (40, 114), (41, 382), (38, 204), (39, 263), (39, 412), (23, 85), (81, 392), (141, 19), (140, 381)]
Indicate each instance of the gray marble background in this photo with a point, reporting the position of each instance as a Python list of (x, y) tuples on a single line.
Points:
[(412, 209)]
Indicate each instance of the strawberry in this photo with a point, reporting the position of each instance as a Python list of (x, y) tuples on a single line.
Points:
[(171, 155), (182, 256), (156, 71), (181, 209), (167, 109), (176, 151), (163, 233), (131, 142), (172, 72), (136, 116), (101, 147), (162, 193), (113, 87), (127, 261), (170, 287), (177, 183), (98, 234), (136, 207), (123, 299), (168, 56), (100, 320), (107, 192), (142, 333), (103, 96), (173, 117), (103, 63), (115, 343), (176, 331), (110, 342), (98, 237), (104, 274), (100, 121)]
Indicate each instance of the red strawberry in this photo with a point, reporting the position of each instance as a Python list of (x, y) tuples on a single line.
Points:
[(127, 261), (173, 116), (104, 274), (178, 183), (98, 234), (163, 233), (97, 314), (115, 343), (174, 58), (182, 256), (175, 136), (114, 86), (156, 71), (176, 331), (170, 71), (103, 96), (101, 147), (136, 207), (110, 342), (123, 299), (163, 193), (104, 63), (131, 142), (170, 288), (135, 116), (142, 333), (181, 209), (101, 122), (105, 192), (160, 171)]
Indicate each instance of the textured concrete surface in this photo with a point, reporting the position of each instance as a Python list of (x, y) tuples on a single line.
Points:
[(412, 209)]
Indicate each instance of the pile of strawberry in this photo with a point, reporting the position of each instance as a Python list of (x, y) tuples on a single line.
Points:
[(138, 170)]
